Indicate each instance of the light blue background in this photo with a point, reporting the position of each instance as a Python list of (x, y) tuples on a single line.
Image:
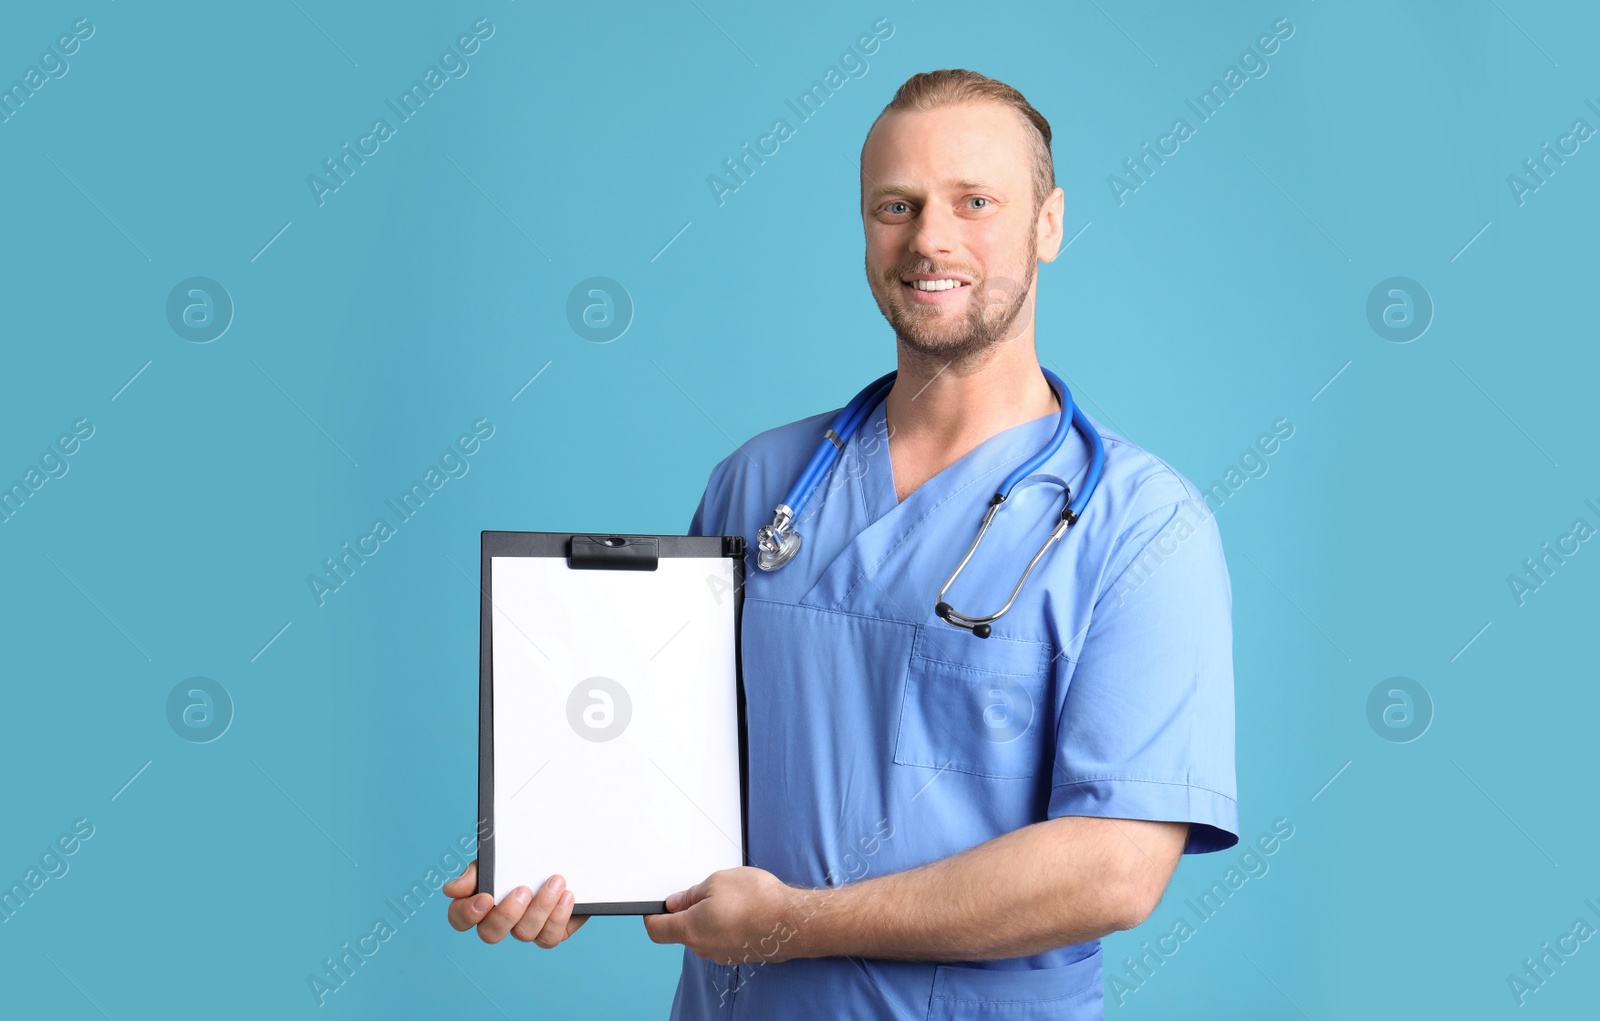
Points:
[(374, 329)]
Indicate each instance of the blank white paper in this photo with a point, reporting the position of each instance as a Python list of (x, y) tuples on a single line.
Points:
[(625, 811)]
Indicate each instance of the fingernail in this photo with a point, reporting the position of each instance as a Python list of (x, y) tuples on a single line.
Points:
[(556, 884), (521, 895), (482, 902)]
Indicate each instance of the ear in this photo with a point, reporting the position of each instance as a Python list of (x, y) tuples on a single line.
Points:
[(1051, 228)]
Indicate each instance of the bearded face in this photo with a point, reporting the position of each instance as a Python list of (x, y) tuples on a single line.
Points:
[(952, 311)]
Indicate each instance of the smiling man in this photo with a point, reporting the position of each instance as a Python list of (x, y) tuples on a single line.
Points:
[(944, 820)]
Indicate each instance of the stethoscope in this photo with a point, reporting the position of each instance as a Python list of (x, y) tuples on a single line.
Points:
[(777, 543)]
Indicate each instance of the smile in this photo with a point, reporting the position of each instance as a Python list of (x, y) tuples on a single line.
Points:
[(936, 291)]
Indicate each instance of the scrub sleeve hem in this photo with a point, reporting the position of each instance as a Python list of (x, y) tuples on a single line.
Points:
[(1212, 815)]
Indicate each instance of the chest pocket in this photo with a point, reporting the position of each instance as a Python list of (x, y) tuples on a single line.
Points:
[(976, 705)]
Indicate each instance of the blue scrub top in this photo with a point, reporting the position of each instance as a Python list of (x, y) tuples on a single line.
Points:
[(882, 738)]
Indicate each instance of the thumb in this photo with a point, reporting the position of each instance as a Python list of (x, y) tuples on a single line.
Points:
[(685, 898), (465, 884), (665, 928)]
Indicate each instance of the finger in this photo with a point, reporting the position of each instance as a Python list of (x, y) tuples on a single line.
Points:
[(498, 922), (555, 927), (538, 912), (665, 928), (466, 912), (465, 884)]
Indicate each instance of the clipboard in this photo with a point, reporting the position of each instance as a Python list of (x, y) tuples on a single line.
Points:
[(612, 746)]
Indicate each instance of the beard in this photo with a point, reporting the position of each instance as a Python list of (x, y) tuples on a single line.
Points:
[(993, 310)]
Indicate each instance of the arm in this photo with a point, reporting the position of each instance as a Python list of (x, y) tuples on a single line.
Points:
[(1046, 885)]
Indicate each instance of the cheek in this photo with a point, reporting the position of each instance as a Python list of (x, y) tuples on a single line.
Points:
[(882, 274), (886, 247), (1002, 250)]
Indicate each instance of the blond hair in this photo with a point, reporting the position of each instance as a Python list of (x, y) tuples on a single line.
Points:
[(933, 89)]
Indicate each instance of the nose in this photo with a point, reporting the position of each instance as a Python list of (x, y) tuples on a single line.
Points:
[(937, 231)]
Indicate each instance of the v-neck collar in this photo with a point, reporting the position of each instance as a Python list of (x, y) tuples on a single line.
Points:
[(854, 575), (878, 484)]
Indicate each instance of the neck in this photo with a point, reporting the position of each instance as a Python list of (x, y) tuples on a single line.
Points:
[(940, 404)]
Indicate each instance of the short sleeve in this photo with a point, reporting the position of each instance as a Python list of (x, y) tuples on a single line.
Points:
[(711, 510), (1146, 727)]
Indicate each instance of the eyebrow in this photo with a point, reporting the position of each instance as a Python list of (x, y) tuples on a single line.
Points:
[(965, 184)]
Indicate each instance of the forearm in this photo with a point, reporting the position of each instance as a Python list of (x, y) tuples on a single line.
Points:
[(1047, 885)]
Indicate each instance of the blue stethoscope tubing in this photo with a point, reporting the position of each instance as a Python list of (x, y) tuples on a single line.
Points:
[(833, 441), (777, 543)]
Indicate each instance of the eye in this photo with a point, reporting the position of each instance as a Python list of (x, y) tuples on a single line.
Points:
[(978, 198), (890, 208)]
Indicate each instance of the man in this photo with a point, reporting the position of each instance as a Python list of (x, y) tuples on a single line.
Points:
[(944, 825)]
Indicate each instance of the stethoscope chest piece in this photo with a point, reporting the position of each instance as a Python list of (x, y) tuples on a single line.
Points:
[(777, 543)]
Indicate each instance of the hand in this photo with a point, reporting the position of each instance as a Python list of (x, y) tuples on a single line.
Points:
[(544, 918), (736, 916)]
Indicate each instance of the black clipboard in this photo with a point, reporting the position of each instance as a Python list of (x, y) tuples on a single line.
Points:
[(620, 562)]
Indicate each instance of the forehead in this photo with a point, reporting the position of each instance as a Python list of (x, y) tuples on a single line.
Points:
[(948, 147)]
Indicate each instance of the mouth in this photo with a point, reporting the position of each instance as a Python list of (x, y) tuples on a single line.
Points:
[(931, 289)]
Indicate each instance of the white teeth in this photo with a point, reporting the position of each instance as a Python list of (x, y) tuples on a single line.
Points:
[(935, 285)]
